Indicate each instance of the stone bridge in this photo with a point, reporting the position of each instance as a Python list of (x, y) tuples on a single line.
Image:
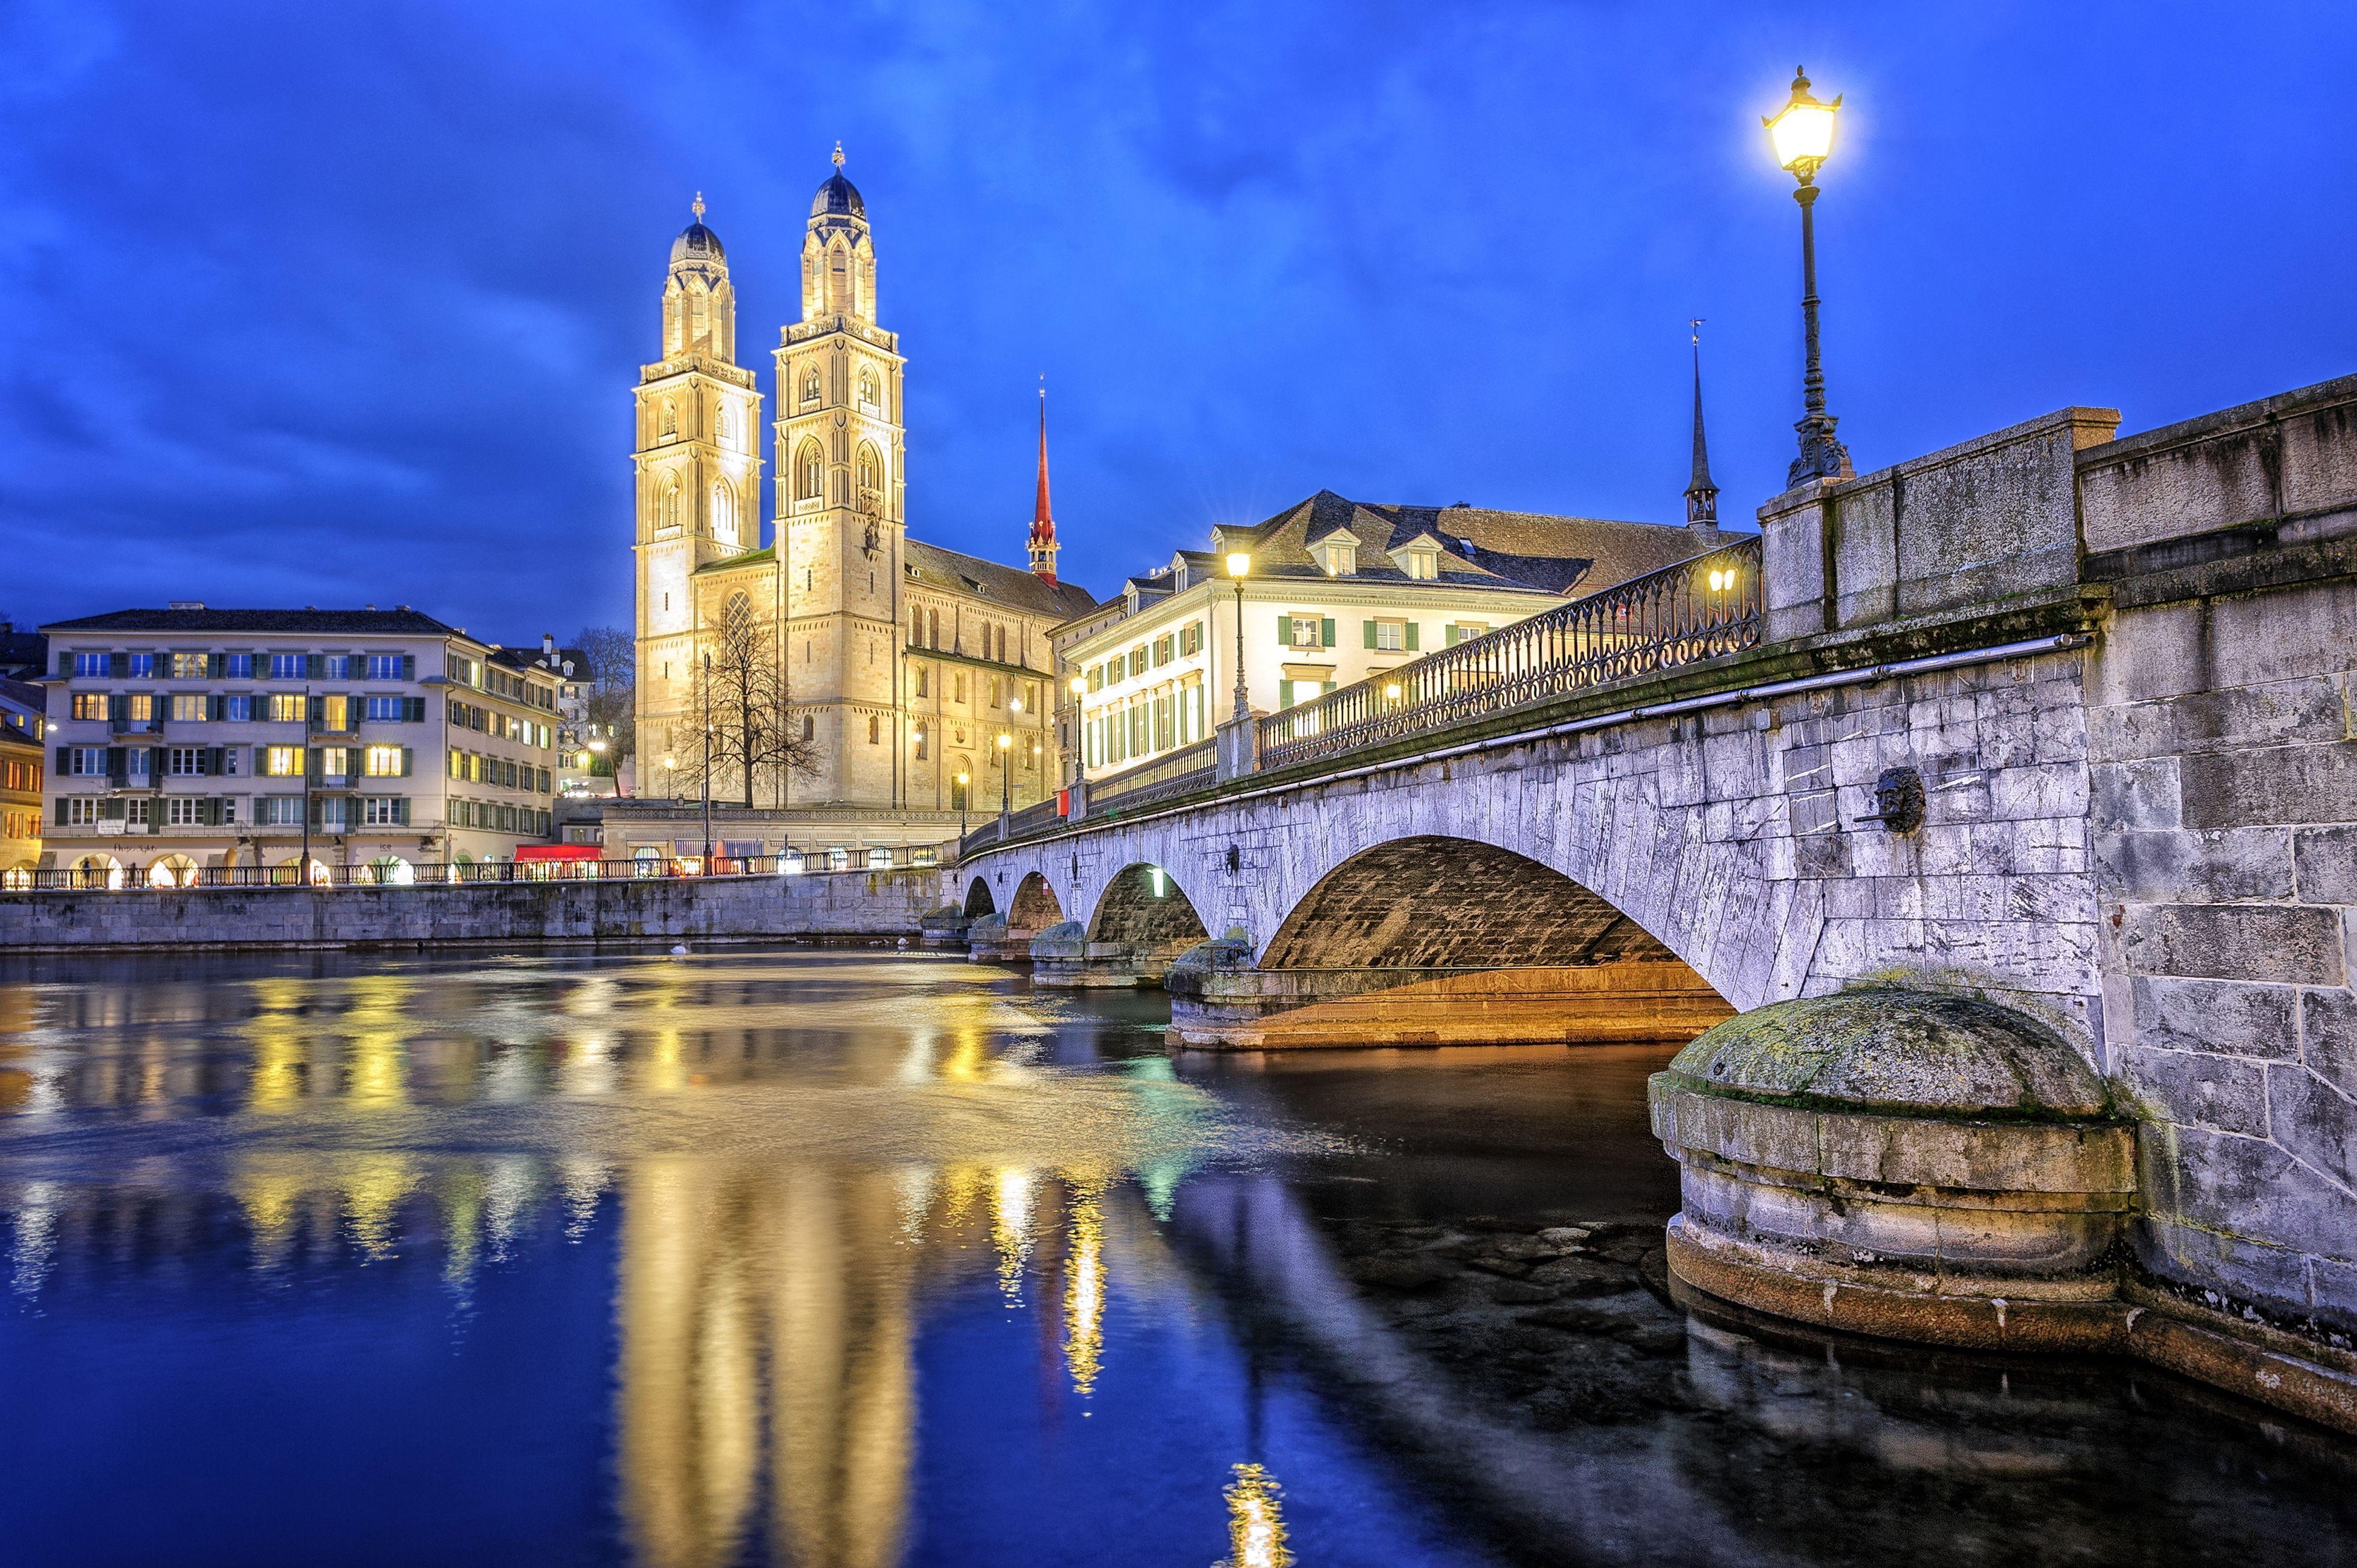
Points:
[(2105, 689)]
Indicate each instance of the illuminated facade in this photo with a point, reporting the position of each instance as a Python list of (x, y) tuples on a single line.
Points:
[(903, 662)]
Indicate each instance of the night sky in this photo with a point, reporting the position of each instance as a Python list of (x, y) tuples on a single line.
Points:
[(340, 305)]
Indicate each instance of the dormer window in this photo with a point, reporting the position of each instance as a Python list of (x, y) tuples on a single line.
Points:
[(1339, 559), (1424, 566)]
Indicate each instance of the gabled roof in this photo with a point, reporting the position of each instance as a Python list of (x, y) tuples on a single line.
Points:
[(1480, 547), (340, 623), (1011, 586), (536, 657)]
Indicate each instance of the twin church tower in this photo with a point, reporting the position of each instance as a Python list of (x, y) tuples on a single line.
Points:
[(903, 662)]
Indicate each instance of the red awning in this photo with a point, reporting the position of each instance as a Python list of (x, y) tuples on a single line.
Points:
[(526, 854)]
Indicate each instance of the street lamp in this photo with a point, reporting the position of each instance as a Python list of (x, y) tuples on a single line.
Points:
[(1079, 734), (1006, 794), (1803, 131), (706, 769), (1239, 568), (963, 780)]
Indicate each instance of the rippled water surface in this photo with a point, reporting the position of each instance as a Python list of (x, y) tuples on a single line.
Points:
[(870, 1259)]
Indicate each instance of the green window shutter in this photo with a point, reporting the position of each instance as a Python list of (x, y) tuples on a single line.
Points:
[(214, 706), (118, 666), (312, 762), (1369, 628), (213, 761), (65, 761), (61, 811), (315, 667), (1325, 631), (1412, 637), (409, 666), (1283, 631), (406, 753), (1326, 687), (1451, 635), (1284, 694), (118, 708), (65, 667)]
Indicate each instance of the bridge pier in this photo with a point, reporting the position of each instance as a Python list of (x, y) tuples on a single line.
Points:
[(1064, 958), (1217, 1006)]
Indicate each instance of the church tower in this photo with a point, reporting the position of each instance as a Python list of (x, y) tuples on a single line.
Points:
[(1043, 520), (699, 466), (840, 447)]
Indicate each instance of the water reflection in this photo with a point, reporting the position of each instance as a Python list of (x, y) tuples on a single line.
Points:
[(858, 1261)]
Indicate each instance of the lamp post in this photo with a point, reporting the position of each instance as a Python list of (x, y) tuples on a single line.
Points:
[(1239, 568), (1080, 732), (306, 873), (671, 778), (1005, 795), (706, 769), (963, 780), (1803, 131)]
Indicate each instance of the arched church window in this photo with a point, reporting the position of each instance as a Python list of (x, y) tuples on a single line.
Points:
[(810, 468), (667, 511), (810, 384), (726, 424), (933, 629), (867, 388), (875, 729), (869, 471), (669, 419), (723, 513)]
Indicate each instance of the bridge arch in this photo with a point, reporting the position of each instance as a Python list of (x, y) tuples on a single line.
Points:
[(1144, 906), (1036, 906), (1437, 902), (978, 898)]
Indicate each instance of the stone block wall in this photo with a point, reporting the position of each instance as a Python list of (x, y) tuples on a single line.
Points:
[(2221, 717), (820, 904)]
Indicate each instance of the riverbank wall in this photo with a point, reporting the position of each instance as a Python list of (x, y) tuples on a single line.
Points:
[(813, 905)]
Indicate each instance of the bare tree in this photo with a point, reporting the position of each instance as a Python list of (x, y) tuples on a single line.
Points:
[(749, 748), (612, 706)]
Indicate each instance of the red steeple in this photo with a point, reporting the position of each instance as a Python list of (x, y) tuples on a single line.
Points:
[(1043, 523)]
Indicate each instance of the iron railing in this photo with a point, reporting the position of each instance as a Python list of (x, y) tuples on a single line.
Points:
[(1696, 610), (1173, 773), (405, 873)]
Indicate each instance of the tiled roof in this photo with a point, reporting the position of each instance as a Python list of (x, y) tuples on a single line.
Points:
[(1480, 547), (1013, 585), (531, 658), (350, 623)]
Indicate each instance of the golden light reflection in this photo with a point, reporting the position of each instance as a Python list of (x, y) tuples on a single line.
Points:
[(1084, 1293), (373, 1187), (1010, 1230), (1255, 1521)]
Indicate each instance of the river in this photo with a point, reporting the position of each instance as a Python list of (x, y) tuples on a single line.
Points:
[(865, 1258)]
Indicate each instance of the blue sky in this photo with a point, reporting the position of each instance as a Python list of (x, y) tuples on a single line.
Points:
[(342, 304)]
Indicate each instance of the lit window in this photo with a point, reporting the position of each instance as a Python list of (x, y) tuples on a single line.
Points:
[(1391, 636), (188, 707), (188, 666), (1307, 632), (141, 707), (385, 762), (90, 705), (286, 707), (82, 810)]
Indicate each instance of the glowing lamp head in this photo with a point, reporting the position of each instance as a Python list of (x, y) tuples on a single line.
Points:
[(1802, 131), (1005, 741), (964, 779), (1080, 686), (668, 760), (1239, 565), (1391, 692), (1015, 705)]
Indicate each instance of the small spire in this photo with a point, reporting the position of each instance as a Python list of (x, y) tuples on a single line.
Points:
[(1043, 522), (838, 154), (696, 207), (1701, 496)]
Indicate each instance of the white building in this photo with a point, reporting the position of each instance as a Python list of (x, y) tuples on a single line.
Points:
[(1339, 591), (187, 738)]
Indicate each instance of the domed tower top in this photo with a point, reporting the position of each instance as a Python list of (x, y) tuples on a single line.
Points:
[(839, 257), (699, 305)]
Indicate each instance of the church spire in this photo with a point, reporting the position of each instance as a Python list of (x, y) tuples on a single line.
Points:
[(1043, 522), (1701, 496)]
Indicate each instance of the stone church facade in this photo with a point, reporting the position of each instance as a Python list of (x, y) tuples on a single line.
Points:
[(904, 663)]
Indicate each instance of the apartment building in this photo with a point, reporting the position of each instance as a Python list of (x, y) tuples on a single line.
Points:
[(1337, 591), (187, 738), (21, 760), (580, 745)]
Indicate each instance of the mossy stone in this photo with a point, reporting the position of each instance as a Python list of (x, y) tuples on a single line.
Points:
[(1890, 1049)]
